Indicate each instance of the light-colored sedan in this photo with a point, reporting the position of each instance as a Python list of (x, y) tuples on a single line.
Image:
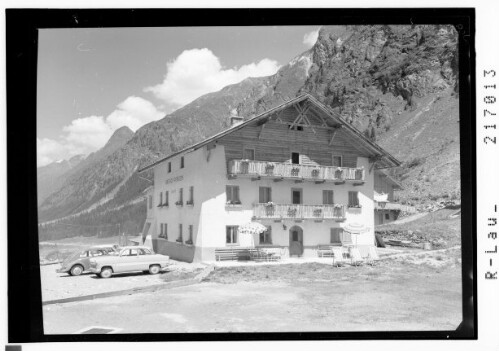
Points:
[(129, 259)]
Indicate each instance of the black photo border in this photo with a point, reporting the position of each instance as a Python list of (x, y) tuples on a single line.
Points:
[(25, 318)]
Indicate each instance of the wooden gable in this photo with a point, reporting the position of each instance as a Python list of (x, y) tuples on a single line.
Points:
[(298, 128)]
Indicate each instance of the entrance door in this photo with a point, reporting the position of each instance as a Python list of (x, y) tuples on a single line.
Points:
[(295, 241)]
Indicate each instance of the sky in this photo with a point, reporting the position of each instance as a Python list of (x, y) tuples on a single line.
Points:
[(94, 81)]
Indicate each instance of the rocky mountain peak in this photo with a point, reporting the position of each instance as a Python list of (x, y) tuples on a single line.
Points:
[(120, 136)]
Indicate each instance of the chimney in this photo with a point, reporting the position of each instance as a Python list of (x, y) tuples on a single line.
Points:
[(234, 118)]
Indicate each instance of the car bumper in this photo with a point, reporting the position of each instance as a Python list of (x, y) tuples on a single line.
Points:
[(94, 270), (62, 270)]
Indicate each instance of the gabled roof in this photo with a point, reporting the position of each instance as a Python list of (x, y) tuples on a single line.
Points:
[(387, 159), (396, 185)]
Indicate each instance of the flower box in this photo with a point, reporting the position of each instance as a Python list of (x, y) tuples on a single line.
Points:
[(179, 241), (189, 242), (318, 212), (269, 168), (295, 171), (338, 174), (190, 203), (179, 203), (315, 173), (292, 212)]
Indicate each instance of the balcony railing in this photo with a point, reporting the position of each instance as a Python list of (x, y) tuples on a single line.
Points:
[(394, 206), (289, 211), (294, 171)]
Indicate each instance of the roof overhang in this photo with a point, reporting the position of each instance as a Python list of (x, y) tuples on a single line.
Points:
[(379, 156)]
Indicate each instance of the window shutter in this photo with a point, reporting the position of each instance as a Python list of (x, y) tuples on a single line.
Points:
[(324, 197), (270, 194), (236, 195), (261, 195)]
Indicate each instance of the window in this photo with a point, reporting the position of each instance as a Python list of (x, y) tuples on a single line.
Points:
[(337, 161), (249, 154), (296, 196), (299, 128), (353, 199), (265, 194), (231, 234), (166, 199), (180, 236), (295, 158), (160, 199), (164, 231), (182, 162), (387, 216), (327, 197), (191, 196), (232, 193), (191, 231), (338, 236), (180, 201), (266, 236), (130, 252), (144, 252), (150, 201), (169, 167)]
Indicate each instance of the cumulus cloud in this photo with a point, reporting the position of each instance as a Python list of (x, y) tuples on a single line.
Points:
[(48, 151), (88, 134), (310, 38), (198, 71), (134, 112)]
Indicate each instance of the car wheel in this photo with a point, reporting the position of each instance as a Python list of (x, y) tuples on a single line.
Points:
[(154, 269), (106, 272), (76, 270)]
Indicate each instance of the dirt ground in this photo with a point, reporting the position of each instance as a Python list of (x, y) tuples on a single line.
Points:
[(62, 285), (412, 292)]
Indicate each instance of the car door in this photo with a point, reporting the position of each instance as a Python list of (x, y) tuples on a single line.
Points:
[(145, 258), (127, 261)]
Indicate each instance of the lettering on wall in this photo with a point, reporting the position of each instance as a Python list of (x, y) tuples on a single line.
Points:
[(174, 179)]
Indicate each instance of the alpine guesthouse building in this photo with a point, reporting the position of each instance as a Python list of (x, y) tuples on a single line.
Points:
[(298, 169)]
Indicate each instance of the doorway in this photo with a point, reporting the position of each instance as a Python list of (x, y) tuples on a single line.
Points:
[(295, 241)]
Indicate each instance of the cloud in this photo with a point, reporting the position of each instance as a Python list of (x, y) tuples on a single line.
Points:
[(134, 112), (198, 71), (88, 134), (310, 38), (48, 151)]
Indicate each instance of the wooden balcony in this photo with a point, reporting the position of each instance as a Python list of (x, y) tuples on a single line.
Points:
[(279, 171), (394, 207), (290, 211)]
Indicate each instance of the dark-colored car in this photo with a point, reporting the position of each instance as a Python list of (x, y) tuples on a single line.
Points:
[(79, 261)]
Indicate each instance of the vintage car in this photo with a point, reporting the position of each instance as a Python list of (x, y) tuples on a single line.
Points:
[(79, 261), (129, 259)]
